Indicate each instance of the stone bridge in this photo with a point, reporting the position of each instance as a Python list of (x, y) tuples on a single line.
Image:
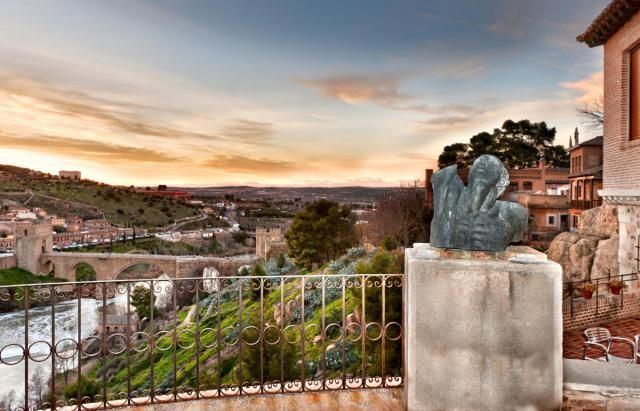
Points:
[(109, 266)]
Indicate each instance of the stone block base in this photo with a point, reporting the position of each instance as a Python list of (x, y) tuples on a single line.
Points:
[(483, 330)]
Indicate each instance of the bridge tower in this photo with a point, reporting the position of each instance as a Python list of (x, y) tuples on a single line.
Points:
[(32, 240)]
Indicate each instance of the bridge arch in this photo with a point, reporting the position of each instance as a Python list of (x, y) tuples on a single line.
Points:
[(142, 269), (84, 271)]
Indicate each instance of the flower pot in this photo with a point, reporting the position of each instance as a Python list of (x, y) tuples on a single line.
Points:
[(587, 294), (615, 290)]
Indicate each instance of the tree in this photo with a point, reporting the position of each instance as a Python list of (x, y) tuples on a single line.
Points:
[(518, 144), (143, 299), (453, 154), (282, 261), (320, 233), (401, 214), (389, 243), (593, 114), (256, 284)]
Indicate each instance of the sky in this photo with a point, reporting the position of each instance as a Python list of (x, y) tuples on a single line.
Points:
[(315, 93)]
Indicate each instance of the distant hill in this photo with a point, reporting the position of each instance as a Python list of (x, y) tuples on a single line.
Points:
[(89, 199), (355, 194)]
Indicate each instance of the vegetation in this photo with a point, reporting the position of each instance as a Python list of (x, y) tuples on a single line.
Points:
[(13, 276), (91, 199), (232, 362), (84, 272), (401, 217), (142, 299), (321, 232), (517, 144), (154, 245)]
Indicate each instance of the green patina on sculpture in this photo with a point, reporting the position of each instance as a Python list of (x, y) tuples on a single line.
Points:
[(472, 217)]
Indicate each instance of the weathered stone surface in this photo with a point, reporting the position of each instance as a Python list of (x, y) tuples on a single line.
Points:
[(629, 216), (605, 261), (472, 217), (600, 221), (482, 334), (381, 399), (592, 251)]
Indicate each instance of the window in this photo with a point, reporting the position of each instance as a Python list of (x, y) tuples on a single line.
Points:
[(513, 186), (579, 189), (527, 186), (634, 94), (551, 220)]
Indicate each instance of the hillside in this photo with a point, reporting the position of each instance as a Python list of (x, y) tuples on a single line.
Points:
[(227, 362), (89, 199)]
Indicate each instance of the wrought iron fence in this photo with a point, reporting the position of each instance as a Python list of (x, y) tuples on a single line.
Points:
[(103, 344), (599, 288)]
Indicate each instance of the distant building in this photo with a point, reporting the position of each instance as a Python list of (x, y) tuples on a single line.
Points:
[(57, 221), (73, 224), (7, 244), (96, 224), (70, 175), (175, 194), (585, 178)]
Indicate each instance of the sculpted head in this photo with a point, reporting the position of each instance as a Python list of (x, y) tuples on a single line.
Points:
[(488, 171)]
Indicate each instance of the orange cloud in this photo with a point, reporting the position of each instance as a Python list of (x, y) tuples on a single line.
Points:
[(590, 88), (381, 89), (85, 149), (246, 165)]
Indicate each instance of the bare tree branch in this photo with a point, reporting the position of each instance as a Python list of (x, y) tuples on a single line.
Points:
[(593, 114)]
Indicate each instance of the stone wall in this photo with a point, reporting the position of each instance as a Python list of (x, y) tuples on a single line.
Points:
[(7, 261), (379, 399)]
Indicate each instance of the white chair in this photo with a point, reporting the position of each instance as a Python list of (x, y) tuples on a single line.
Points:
[(600, 338)]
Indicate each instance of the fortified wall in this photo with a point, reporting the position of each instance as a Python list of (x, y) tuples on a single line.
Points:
[(270, 243)]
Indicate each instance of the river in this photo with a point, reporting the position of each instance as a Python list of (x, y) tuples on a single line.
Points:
[(12, 332)]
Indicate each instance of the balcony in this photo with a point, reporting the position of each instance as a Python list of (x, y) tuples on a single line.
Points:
[(131, 343), (585, 204)]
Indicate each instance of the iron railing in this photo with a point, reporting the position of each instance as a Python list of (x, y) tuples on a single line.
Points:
[(585, 204), (84, 345), (599, 288)]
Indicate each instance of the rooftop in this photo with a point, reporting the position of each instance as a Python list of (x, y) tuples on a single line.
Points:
[(610, 20)]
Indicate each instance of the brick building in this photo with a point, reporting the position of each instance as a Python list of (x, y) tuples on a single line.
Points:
[(585, 178), (617, 28), (71, 175)]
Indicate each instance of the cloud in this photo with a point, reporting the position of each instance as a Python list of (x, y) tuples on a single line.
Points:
[(589, 89), (245, 165), (445, 122), (242, 130), (381, 90), (113, 115), (84, 149), (356, 89)]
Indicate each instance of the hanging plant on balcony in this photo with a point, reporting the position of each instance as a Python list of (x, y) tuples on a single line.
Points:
[(587, 290), (616, 286)]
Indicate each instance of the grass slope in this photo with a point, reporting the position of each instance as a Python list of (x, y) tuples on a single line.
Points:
[(90, 199)]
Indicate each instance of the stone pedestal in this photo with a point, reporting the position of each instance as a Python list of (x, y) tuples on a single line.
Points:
[(483, 330)]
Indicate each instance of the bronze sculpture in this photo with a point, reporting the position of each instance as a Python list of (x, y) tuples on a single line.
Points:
[(472, 217)]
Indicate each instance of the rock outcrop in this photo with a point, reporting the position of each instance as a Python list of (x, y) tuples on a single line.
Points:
[(592, 251)]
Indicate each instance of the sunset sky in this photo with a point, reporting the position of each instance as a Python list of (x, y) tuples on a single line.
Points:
[(281, 92)]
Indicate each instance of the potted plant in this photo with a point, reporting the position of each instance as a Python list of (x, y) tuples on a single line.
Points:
[(616, 286), (587, 290)]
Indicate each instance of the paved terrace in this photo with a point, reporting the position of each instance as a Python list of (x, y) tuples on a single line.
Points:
[(627, 327)]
